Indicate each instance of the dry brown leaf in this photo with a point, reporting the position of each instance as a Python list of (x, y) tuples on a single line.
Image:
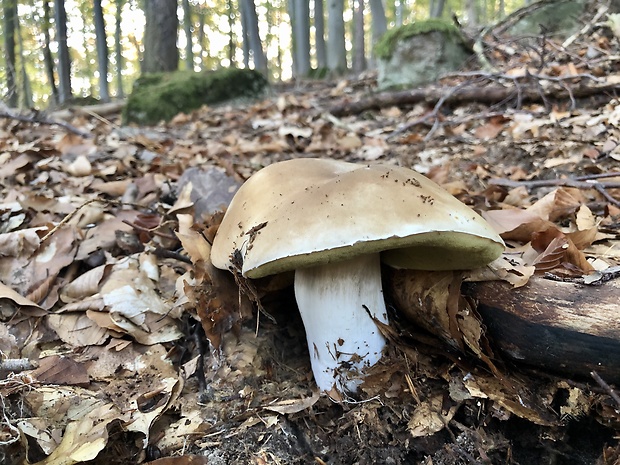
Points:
[(430, 416)]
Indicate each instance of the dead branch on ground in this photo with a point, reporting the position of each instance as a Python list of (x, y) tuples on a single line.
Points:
[(489, 95)]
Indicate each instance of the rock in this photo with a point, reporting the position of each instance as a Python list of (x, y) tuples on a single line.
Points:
[(212, 189), (559, 18), (419, 53), (161, 96)]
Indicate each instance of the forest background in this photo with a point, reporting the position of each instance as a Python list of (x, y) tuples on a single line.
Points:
[(61, 50)]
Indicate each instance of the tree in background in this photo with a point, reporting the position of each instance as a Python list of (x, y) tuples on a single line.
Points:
[(336, 50), (48, 60), (118, 49), (359, 47), (9, 8), (252, 36), (102, 51), (160, 36), (64, 59), (187, 28), (319, 34), (299, 11)]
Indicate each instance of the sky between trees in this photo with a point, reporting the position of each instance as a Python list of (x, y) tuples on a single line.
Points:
[(295, 37)]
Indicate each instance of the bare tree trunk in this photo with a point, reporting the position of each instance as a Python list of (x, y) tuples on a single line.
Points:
[(47, 54), (245, 43), (118, 49), (231, 35), (26, 88), (336, 51), (160, 36), (10, 18), (102, 52), (202, 38), (319, 34), (400, 12), (379, 21), (64, 59), (187, 27), (301, 37), (248, 10), (359, 48), (437, 8), (472, 13)]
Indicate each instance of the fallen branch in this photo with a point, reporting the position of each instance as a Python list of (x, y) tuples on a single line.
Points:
[(583, 182), (39, 118), (564, 327), (489, 95)]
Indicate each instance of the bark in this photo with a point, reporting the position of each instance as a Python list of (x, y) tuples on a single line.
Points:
[(378, 19), (203, 42), (160, 36), (359, 47), (245, 43), (48, 60), (25, 80), (319, 34), (400, 11), (102, 51), (336, 51), (301, 37), (231, 35), (248, 10), (64, 59), (559, 326), (118, 49), (187, 27), (437, 8), (10, 16)]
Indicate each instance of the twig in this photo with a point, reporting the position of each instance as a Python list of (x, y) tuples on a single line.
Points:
[(567, 182), (17, 364), (584, 30), (606, 386), (37, 118)]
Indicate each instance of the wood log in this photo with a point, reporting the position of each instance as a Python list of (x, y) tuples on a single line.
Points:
[(560, 326), (490, 95)]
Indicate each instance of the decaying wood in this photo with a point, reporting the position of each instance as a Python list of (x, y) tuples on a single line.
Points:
[(489, 95), (560, 326), (100, 109)]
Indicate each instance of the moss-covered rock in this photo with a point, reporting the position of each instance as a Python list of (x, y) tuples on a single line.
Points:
[(560, 18), (418, 53), (161, 96)]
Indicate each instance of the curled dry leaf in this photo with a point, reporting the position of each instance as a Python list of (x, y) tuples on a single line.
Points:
[(430, 416)]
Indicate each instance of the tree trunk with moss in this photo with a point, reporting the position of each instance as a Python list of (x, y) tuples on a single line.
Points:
[(160, 36)]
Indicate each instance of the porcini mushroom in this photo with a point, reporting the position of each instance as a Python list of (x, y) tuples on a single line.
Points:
[(333, 222)]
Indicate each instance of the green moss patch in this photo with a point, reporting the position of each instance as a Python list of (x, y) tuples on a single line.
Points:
[(161, 96), (386, 46)]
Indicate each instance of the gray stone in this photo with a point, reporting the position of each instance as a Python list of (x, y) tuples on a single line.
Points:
[(212, 189), (420, 59)]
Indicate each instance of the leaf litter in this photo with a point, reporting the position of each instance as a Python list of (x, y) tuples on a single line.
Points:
[(146, 353)]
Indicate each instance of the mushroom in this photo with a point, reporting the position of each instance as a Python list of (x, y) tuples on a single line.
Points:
[(333, 222)]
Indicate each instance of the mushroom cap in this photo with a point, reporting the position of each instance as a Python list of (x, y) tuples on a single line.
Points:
[(309, 211)]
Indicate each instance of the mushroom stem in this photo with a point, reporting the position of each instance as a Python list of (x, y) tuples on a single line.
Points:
[(335, 302)]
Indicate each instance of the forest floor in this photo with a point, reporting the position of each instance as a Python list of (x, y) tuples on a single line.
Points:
[(143, 352)]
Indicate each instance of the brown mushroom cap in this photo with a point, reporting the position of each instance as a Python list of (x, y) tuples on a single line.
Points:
[(310, 211)]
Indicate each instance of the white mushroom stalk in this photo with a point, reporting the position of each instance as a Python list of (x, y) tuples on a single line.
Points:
[(338, 302)]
